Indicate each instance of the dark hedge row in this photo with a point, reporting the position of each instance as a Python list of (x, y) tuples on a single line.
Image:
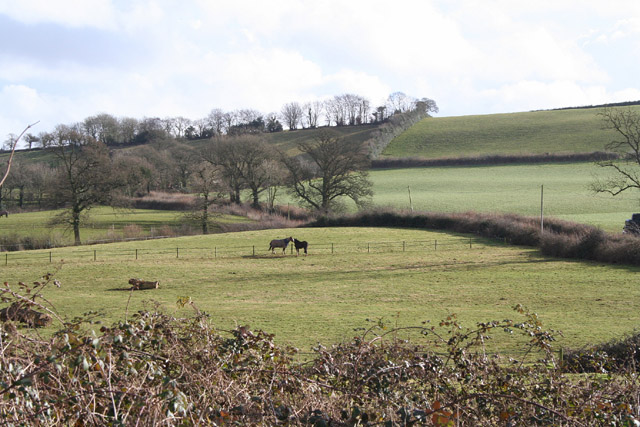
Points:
[(416, 162)]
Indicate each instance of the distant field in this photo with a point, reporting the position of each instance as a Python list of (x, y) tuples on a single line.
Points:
[(515, 189), (539, 132), (324, 297), (103, 223)]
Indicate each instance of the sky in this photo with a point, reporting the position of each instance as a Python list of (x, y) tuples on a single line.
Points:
[(64, 60)]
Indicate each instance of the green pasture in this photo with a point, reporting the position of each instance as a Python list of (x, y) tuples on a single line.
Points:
[(513, 188), (350, 275), (536, 132), (103, 223)]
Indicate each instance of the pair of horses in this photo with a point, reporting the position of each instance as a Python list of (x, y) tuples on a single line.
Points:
[(283, 243)]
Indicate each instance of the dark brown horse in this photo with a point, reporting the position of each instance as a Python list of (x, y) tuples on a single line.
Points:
[(4, 213), (279, 243), (300, 245)]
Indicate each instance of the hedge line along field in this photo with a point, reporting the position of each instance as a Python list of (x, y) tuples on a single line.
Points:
[(535, 132), (324, 297), (510, 188)]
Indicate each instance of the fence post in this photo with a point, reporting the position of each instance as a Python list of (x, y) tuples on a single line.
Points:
[(6, 258), (94, 254), (136, 254), (367, 247), (332, 248), (49, 257), (215, 252), (254, 250), (469, 243), (435, 245), (177, 252)]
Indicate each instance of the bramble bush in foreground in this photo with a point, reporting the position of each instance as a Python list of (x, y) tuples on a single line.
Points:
[(154, 369)]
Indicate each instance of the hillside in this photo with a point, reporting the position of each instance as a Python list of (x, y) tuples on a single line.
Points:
[(537, 132)]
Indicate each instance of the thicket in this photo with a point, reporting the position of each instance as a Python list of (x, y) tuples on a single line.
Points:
[(562, 239), (154, 369)]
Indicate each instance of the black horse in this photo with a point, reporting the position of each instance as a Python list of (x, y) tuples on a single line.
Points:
[(300, 245)]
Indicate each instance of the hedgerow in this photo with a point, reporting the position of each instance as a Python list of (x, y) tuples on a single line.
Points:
[(155, 369)]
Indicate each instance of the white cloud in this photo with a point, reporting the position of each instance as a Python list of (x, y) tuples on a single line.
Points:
[(73, 13), (161, 58)]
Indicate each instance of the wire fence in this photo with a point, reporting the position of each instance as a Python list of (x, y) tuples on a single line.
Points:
[(214, 252)]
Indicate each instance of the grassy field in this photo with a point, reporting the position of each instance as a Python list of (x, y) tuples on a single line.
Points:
[(103, 224), (515, 189), (325, 296), (539, 132)]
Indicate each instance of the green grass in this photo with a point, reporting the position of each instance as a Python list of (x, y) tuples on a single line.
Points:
[(102, 223), (515, 189), (325, 296), (539, 132)]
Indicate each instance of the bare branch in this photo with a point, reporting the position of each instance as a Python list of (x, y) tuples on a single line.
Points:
[(13, 149)]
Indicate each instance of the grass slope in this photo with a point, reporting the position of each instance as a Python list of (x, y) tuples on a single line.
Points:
[(538, 132), (325, 296), (515, 189)]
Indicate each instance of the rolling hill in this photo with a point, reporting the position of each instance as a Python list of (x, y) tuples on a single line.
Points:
[(526, 133)]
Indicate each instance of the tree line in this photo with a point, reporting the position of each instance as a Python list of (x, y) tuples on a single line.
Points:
[(341, 110), (85, 171)]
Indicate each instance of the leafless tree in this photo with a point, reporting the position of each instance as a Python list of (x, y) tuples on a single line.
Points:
[(102, 127), (291, 114), (398, 102), (312, 113), (255, 174), (85, 177), (216, 120), (225, 155), (127, 129), (626, 170), (329, 169), (206, 183), (7, 169)]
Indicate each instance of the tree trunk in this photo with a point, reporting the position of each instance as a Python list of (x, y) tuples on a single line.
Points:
[(76, 227), (205, 215), (256, 198)]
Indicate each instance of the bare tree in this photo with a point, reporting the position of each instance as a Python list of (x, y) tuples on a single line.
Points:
[(626, 170), (206, 183), (13, 149), (225, 155), (85, 177), (312, 113), (217, 121), (127, 129), (291, 114), (254, 171), (398, 102), (330, 168), (102, 127)]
